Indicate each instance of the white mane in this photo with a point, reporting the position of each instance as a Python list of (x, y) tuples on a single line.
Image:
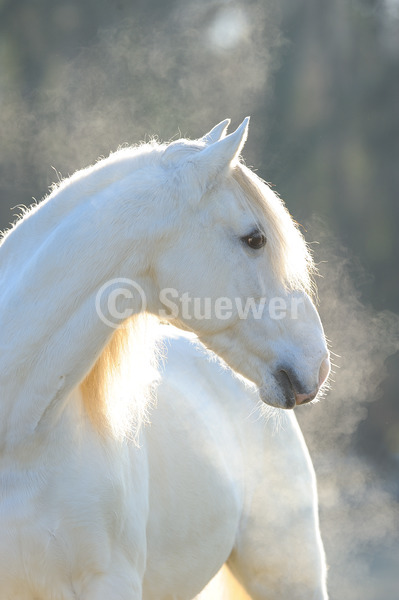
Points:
[(289, 253)]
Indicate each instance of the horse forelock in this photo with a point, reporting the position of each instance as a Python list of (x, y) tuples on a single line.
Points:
[(180, 150)]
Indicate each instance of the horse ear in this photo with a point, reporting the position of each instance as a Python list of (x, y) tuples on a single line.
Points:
[(213, 159), (217, 133)]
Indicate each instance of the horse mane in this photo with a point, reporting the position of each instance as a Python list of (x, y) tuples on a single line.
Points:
[(119, 389), (290, 256)]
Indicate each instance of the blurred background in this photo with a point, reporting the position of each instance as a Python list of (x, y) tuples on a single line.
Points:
[(320, 79)]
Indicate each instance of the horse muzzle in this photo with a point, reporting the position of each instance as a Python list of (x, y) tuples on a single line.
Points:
[(294, 391)]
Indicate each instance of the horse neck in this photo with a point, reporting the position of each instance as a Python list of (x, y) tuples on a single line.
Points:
[(18, 244), (53, 264)]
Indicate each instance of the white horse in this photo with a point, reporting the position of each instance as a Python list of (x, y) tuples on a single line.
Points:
[(151, 230)]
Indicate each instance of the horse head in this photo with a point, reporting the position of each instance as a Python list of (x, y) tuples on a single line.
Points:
[(236, 270)]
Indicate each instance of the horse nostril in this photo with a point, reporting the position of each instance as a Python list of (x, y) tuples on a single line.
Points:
[(295, 388), (287, 386)]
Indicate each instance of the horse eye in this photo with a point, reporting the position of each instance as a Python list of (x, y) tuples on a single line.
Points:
[(255, 240)]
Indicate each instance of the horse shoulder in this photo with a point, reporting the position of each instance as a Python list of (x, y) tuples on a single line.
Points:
[(195, 487)]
